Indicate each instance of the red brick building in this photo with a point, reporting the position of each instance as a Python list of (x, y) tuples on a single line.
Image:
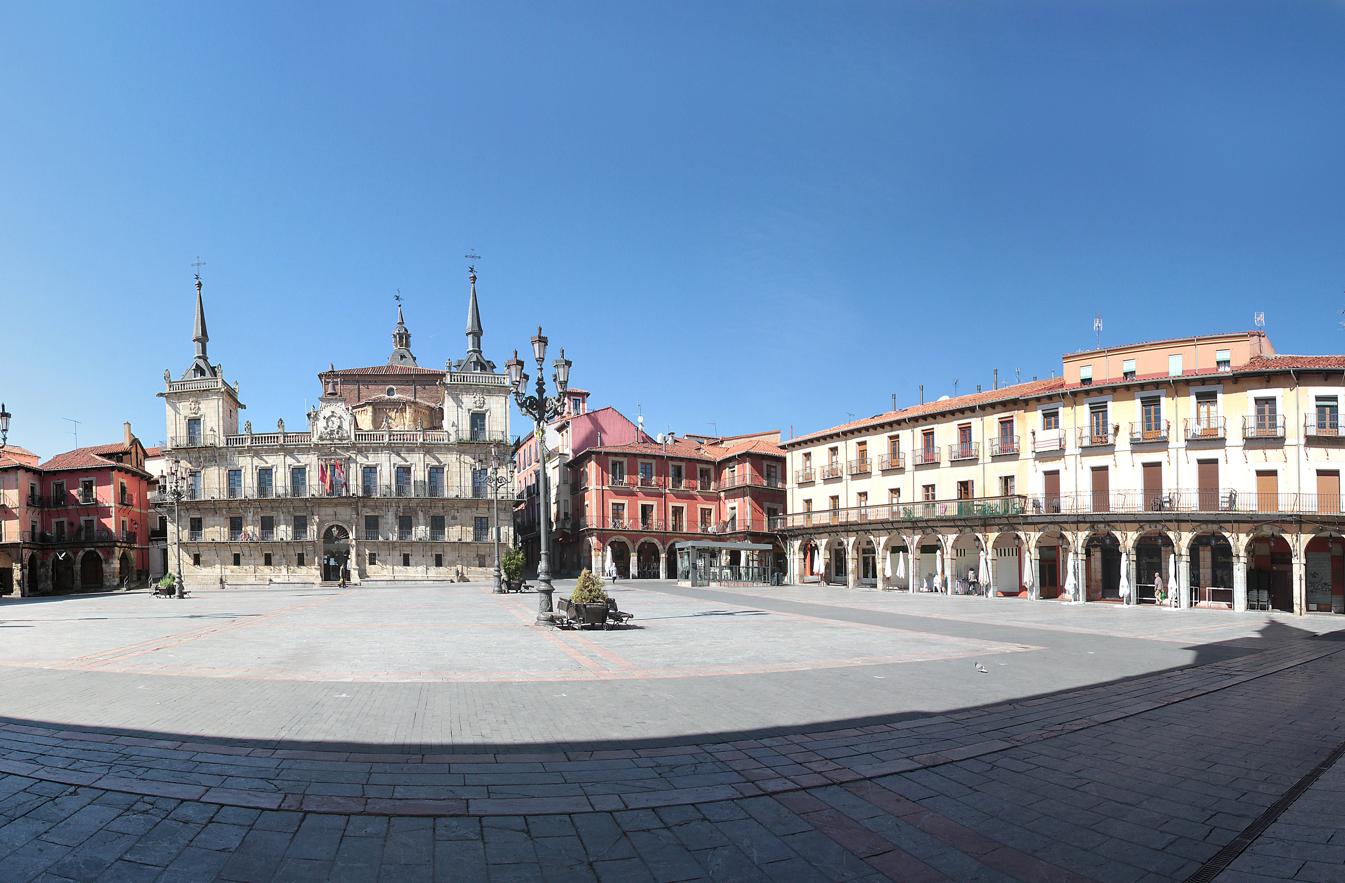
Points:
[(78, 522), (632, 503)]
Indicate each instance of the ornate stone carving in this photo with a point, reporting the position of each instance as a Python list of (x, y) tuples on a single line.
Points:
[(334, 423), (194, 408), (280, 425), (247, 427), (478, 401)]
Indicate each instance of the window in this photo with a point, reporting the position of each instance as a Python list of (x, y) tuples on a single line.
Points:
[(266, 559), (927, 492), (862, 501), (369, 481), (807, 460), (1006, 486), (268, 527), (772, 475), (299, 528), (401, 477), (703, 476), (1207, 413), (371, 527), (373, 559), (576, 405), (807, 511), (86, 490), (196, 559), (1128, 369), (438, 559), (1223, 360), (265, 482), (298, 481), (123, 495), (193, 431), (966, 490), (478, 425), (1267, 417), (479, 477), (234, 483), (57, 494), (391, 392), (1006, 441), (403, 527), (964, 448), (1175, 365), (646, 474), (406, 559), (675, 473), (678, 514), (1085, 374), (86, 528), (299, 559), (646, 516), (194, 485), (1099, 429), (481, 529), (617, 470), (435, 475), (862, 454), (1151, 416), (731, 522), (833, 456), (194, 529), (927, 443), (705, 519), (235, 527), (1050, 419), (59, 528), (1328, 414), (437, 528), (834, 504), (618, 515), (237, 559), (894, 496)]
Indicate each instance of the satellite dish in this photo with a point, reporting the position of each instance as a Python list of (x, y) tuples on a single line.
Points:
[(660, 438), (944, 398)]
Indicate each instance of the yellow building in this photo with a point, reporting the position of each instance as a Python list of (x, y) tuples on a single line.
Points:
[(1204, 470)]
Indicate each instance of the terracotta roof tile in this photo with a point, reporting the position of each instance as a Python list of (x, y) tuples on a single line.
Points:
[(1282, 362), (80, 458), (383, 370)]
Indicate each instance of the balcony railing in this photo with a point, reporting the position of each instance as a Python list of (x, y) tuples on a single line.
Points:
[(1263, 427), (650, 481), (416, 490), (926, 456), (1003, 446), (861, 466), (1204, 428), (1048, 441), (804, 475), (964, 451), (831, 470), (892, 461), (1097, 437), (1218, 502), (1150, 433), (1322, 429), (618, 481)]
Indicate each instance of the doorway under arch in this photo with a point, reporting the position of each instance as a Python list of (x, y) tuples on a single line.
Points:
[(63, 572), (618, 553), (335, 553), (1153, 558), (1102, 567), (91, 570), (1210, 570), (1324, 571), (646, 560), (125, 570), (1269, 566)]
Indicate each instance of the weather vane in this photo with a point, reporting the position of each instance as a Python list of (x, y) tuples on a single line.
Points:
[(198, 264), (473, 257)]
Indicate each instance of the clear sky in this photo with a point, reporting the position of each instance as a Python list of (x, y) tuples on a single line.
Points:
[(738, 215)]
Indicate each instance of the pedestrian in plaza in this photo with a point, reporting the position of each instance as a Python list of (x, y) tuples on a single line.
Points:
[(1158, 587), (344, 574), (222, 584)]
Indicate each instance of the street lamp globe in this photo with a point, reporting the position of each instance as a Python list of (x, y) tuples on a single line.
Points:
[(539, 346), (562, 366), (4, 425), (515, 368)]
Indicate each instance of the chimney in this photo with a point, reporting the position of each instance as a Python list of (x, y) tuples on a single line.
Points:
[(922, 393), (996, 386), (978, 387), (894, 401), (126, 433)]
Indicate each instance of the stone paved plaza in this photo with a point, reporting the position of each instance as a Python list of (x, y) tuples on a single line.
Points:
[(431, 732)]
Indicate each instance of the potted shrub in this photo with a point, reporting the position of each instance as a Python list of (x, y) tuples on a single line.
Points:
[(589, 599), (511, 565)]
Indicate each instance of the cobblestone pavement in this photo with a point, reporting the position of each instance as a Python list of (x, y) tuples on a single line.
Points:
[(1143, 775)]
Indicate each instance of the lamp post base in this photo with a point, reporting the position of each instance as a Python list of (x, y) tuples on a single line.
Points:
[(544, 605)]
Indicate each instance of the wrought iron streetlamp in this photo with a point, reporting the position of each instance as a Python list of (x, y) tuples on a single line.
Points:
[(542, 409), (173, 487), (499, 475), (4, 426)]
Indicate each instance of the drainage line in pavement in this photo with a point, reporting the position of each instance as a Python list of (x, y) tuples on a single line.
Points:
[(1220, 861)]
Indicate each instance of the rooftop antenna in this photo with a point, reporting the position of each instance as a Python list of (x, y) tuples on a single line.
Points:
[(955, 382), (74, 428), (1259, 318), (1097, 329), (714, 427), (1017, 376)]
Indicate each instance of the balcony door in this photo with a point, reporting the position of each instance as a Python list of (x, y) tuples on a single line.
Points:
[(1101, 489), (1267, 491), (1207, 484), (1051, 490), (1328, 491), (1153, 487)]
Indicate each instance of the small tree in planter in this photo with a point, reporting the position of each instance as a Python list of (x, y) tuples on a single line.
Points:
[(511, 563), (589, 599)]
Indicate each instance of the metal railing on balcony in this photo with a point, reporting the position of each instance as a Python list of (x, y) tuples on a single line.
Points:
[(892, 461), (1097, 437), (1322, 429), (617, 481), (861, 466), (1263, 427), (650, 481), (1004, 445), (1204, 428), (804, 475), (1218, 502), (831, 470), (926, 456), (1048, 441), (1150, 432), (964, 451)]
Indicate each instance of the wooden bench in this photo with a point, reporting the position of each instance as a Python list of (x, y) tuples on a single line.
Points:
[(616, 616), (168, 591)]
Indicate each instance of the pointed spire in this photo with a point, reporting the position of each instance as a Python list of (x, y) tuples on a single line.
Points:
[(199, 335), (474, 331), (401, 339)]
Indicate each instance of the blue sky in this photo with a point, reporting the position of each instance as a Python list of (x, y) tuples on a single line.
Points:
[(738, 215)]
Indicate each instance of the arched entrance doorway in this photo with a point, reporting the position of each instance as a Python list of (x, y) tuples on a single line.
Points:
[(929, 564), (965, 575), (6, 574), (1052, 559), (91, 570), (646, 560), (1007, 568), (898, 565), (868, 562), (63, 572), (125, 570), (32, 575), (810, 562), (1324, 569), (618, 555), (837, 563), (1211, 570), (335, 553), (1102, 568), (779, 560), (670, 562), (1270, 573), (1154, 558)]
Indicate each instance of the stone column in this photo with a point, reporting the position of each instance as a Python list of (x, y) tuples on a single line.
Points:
[(880, 557), (793, 561), (1183, 580), (852, 563), (1239, 583), (662, 564), (1300, 583)]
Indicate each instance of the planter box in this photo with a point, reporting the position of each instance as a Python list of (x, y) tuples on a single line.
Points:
[(591, 614)]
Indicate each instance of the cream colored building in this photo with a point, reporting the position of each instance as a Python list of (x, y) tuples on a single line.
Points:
[(1211, 463), (384, 480)]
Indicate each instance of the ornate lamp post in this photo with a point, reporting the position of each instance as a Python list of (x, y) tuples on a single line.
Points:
[(4, 426), (499, 474), (542, 409), (173, 487)]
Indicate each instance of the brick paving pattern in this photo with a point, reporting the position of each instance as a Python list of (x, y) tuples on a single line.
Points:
[(1143, 778)]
